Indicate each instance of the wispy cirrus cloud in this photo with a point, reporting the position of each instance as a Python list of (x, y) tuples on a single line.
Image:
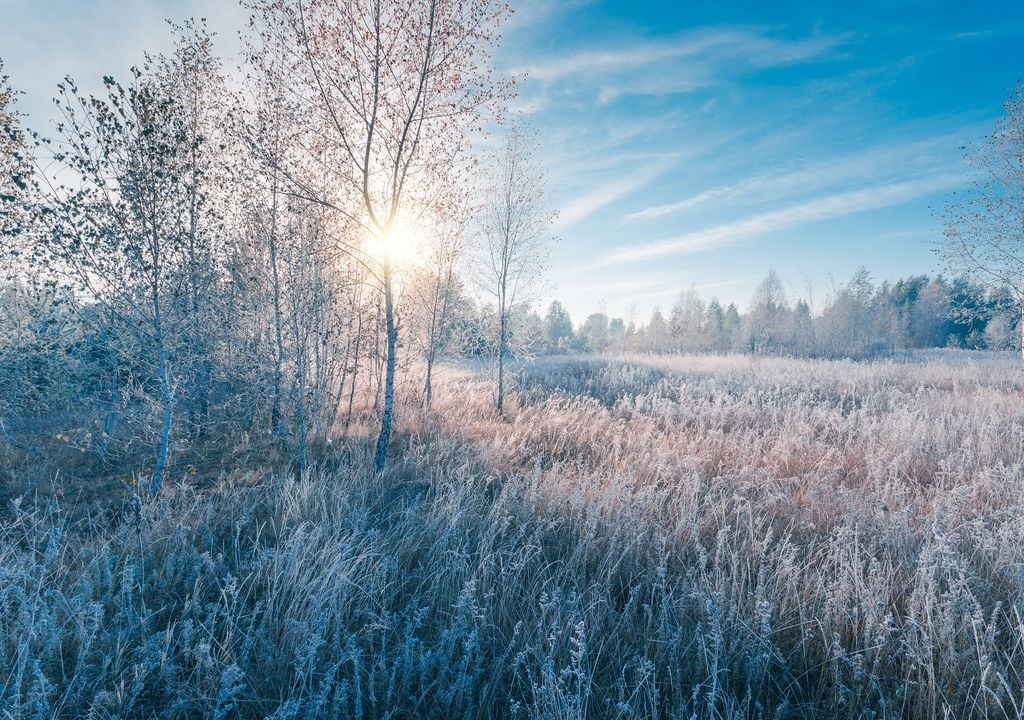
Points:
[(679, 64), (705, 196), (826, 207), (611, 191), (530, 12), (885, 163), (595, 61)]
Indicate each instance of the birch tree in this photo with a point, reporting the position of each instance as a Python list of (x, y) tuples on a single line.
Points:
[(515, 230), (303, 287), (122, 232), (394, 89), (192, 77), (436, 288), (268, 128), (984, 226)]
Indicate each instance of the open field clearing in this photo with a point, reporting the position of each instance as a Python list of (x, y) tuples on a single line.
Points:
[(693, 537)]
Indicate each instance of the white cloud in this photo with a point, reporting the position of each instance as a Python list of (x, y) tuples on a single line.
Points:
[(531, 12), (605, 60), (616, 189), (906, 160), (971, 34), (821, 208), (658, 211), (707, 52), (527, 105)]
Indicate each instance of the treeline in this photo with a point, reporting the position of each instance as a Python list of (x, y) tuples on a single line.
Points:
[(859, 319)]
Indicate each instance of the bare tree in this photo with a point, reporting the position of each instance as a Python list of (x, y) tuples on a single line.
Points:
[(192, 76), (515, 229), (302, 286), (436, 289), (767, 323), (984, 226), (394, 89), (686, 322), (268, 131)]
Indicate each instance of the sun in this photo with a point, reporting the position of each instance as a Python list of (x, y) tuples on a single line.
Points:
[(400, 245), (402, 242)]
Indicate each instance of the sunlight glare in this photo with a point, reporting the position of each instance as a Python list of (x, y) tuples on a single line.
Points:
[(400, 246)]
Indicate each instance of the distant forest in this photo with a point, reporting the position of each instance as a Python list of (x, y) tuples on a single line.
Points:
[(859, 319)]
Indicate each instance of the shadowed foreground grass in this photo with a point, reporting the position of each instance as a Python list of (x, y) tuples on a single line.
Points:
[(693, 538)]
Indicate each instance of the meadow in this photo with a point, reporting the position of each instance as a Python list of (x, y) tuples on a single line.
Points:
[(679, 537)]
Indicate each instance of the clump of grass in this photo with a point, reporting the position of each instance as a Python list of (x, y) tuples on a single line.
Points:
[(751, 539)]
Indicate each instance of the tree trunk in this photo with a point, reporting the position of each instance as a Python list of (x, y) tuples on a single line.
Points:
[(428, 386), (165, 432), (432, 341), (276, 421), (355, 372), (389, 378), (302, 426), (378, 365), (339, 397), (502, 349), (114, 391)]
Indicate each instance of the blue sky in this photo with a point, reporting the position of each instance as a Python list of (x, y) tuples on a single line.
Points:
[(688, 143)]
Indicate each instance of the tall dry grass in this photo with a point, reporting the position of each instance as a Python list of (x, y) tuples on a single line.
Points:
[(689, 537)]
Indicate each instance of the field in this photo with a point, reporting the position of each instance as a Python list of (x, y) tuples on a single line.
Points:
[(688, 537)]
